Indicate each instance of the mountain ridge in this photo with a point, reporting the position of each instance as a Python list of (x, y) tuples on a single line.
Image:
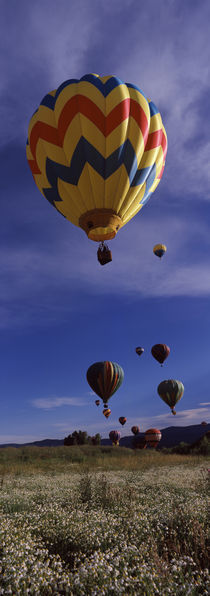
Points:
[(171, 436)]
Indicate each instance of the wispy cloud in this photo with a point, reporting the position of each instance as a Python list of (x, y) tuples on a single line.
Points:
[(21, 438), (183, 418), (38, 283), (49, 403), (205, 403)]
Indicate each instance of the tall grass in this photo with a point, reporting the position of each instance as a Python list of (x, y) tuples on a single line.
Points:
[(33, 460)]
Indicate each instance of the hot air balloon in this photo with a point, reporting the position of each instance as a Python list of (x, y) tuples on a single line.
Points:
[(160, 352), (114, 436), (204, 423), (97, 402), (106, 412), (135, 430), (139, 350), (139, 442), (96, 148), (159, 250), (122, 420), (152, 437), (105, 378), (171, 392)]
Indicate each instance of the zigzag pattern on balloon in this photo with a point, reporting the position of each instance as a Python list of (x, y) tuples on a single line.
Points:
[(96, 143), (105, 167)]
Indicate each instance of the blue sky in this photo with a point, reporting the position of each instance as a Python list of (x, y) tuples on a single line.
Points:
[(60, 311)]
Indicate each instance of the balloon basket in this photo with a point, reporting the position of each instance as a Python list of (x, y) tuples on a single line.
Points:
[(104, 254)]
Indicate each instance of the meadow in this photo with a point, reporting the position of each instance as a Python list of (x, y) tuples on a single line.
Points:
[(103, 520)]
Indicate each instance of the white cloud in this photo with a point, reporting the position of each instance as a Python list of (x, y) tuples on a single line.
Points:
[(48, 403), (38, 283), (205, 403), (19, 439), (161, 421)]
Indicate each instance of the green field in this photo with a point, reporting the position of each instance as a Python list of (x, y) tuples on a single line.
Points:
[(101, 521)]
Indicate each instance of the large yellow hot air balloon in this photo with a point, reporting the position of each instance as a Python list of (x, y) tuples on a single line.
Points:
[(96, 148)]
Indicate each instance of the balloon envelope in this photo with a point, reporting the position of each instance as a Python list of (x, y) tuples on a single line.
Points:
[(152, 437), (105, 378), (139, 350), (159, 250), (114, 436), (139, 442), (106, 412), (135, 430), (160, 352), (171, 392), (96, 148), (122, 420)]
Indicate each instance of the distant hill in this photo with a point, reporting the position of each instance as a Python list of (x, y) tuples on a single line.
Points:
[(171, 436)]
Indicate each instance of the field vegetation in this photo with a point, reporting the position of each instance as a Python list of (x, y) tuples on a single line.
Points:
[(103, 520)]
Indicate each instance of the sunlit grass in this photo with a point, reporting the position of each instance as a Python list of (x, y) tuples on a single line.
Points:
[(33, 460)]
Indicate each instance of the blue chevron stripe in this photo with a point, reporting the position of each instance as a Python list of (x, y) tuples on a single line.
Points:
[(146, 198), (153, 109), (48, 101), (105, 88), (141, 176), (129, 85), (149, 182), (86, 153), (151, 177)]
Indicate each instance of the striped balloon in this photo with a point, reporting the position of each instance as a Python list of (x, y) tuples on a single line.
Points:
[(171, 392), (105, 378), (114, 436), (96, 148), (152, 437)]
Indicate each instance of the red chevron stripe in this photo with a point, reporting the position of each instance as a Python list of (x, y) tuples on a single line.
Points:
[(45, 132), (34, 166), (164, 144), (83, 105), (137, 112), (154, 139), (106, 124), (79, 104)]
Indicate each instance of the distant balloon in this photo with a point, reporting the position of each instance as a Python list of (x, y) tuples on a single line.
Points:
[(122, 420), (204, 423), (97, 402), (160, 352), (171, 392), (152, 437), (159, 250), (139, 442), (135, 430), (106, 412), (114, 436), (139, 351), (105, 378)]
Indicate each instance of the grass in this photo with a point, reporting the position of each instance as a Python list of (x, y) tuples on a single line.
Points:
[(33, 460)]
